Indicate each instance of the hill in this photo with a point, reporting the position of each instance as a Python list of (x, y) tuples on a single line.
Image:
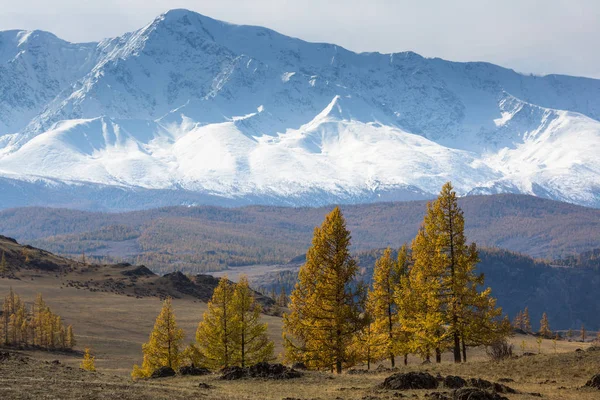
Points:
[(206, 238), (27, 263), (191, 110)]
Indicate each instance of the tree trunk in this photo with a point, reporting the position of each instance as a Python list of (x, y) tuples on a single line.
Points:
[(338, 367), (438, 355), (405, 359), (456, 348)]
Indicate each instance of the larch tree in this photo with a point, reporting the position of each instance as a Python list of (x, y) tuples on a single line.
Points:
[(251, 342), (449, 309), (71, 341), (163, 348), (545, 326), (421, 309), (367, 345), (518, 321), (382, 305), (401, 337), (526, 320), (89, 362), (217, 332), (324, 312)]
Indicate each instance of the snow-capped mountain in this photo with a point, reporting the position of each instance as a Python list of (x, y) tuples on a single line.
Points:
[(193, 110)]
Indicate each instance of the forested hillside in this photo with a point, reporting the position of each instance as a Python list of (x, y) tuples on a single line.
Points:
[(199, 239)]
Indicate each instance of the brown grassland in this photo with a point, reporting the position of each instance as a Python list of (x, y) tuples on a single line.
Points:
[(114, 327)]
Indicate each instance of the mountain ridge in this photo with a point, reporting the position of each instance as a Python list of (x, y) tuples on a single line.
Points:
[(245, 115)]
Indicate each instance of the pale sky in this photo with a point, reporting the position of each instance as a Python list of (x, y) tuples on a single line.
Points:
[(530, 36)]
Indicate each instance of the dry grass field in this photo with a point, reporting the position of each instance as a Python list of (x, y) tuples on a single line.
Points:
[(114, 327)]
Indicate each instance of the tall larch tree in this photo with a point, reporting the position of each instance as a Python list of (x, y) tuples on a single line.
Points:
[(421, 309), (252, 344), (401, 337), (163, 348), (382, 304), (445, 286), (324, 311), (217, 332)]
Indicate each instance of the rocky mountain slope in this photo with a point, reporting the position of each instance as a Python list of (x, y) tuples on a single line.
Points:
[(193, 110)]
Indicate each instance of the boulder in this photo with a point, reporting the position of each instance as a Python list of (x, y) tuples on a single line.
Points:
[(594, 382), (410, 380), (233, 373), (261, 370), (487, 385), (300, 366), (163, 372), (272, 371), (454, 382)]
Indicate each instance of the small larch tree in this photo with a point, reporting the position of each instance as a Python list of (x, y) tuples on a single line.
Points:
[(251, 342), (163, 349), (526, 320), (545, 326), (217, 332), (324, 309), (89, 362)]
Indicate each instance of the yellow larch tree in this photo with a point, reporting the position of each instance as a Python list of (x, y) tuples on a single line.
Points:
[(324, 312), (251, 342), (71, 341), (382, 306), (217, 332), (421, 309), (89, 362), (401, 341), (163, 349), (545, 326)]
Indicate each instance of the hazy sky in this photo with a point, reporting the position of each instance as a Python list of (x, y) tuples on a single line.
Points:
[(539, 36)]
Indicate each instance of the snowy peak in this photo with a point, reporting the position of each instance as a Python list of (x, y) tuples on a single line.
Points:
[(244, 113)]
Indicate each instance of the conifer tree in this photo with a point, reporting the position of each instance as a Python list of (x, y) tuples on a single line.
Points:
[(402, 338), (89, 362), (545, 326), (71, 341), (324, 312), (419, 300), (518, 321), (368, 346), (252, 344), (282, 300), (526, 321), (217, 332), (447, 306), (163, 349), (382, 305)]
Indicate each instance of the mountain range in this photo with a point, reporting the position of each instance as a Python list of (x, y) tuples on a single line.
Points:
[(190, 110)]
